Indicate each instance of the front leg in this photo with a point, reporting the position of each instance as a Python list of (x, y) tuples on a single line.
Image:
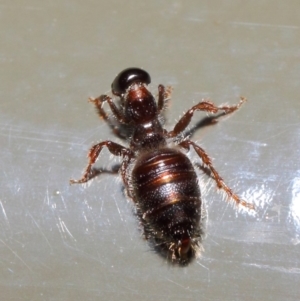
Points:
[(164, 94), (204, 105), (115, 111), (98, 102), (114, 148)]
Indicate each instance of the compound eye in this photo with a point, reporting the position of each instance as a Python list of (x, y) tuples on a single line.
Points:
[(127, 77)]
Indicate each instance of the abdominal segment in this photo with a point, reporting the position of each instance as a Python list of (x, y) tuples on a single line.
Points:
[(167, 194)]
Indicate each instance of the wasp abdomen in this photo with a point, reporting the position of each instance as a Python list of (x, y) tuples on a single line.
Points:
[(168, 196)]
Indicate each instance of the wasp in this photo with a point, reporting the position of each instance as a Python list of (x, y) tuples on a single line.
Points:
[(156, 172)]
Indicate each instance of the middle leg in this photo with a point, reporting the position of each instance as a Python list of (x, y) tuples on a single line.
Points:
[(114, 148)]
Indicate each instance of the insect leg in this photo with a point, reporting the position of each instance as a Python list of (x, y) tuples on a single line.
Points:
[(98, 102), (164, 94), (116, 112), (206, 106), (220, 182), (114, 148)]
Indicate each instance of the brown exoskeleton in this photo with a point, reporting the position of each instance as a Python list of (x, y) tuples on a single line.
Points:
[(160, 179)]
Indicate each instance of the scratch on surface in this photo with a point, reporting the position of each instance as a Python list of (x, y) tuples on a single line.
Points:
[(291, 270), (64, 228), (47, 198), (252, 142), (30, 135), (118, 208), (202, 265), (281, 132), (206, 268), (41, 139), (294, 208), (264, 25), (194, 19), (20, 7), (9, 137), (3, 210), (16, 255), (39, 228), (178, 284)]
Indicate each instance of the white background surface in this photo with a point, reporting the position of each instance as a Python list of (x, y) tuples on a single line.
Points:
[(61, 242)]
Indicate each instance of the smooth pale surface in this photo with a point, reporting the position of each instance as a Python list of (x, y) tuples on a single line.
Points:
[(61, 242)]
